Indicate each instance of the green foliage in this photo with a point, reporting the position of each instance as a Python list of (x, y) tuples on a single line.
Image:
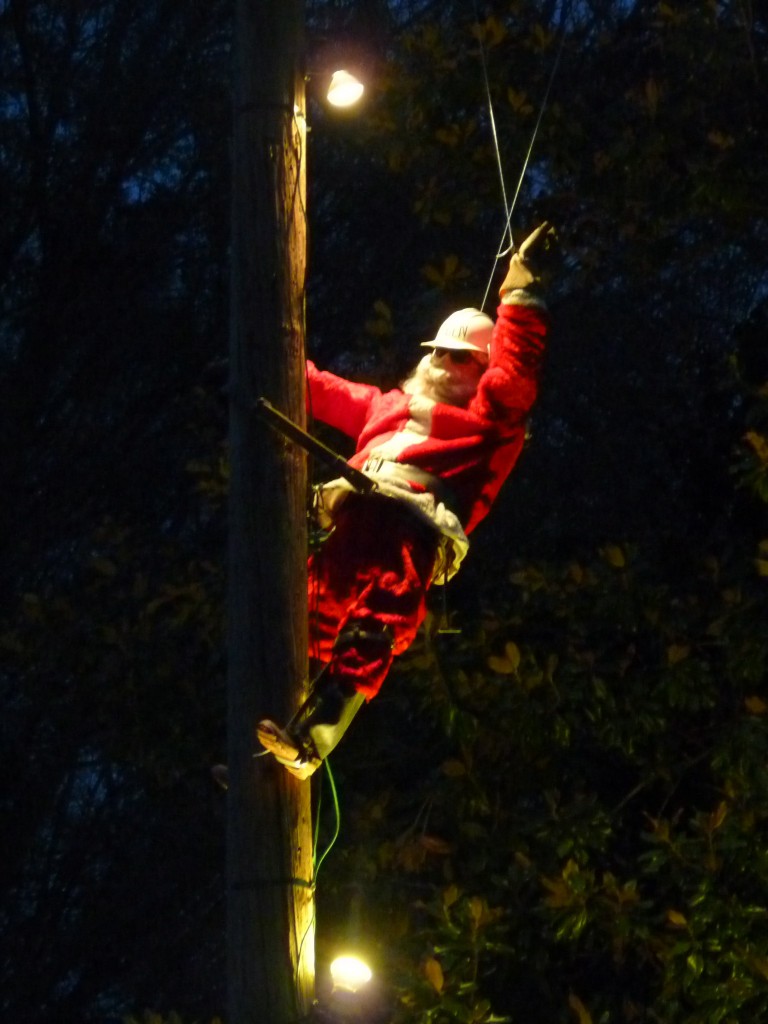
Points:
[(113, 692), (588, 825), (566, 816)]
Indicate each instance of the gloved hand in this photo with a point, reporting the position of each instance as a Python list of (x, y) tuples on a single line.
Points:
[(531, 264)]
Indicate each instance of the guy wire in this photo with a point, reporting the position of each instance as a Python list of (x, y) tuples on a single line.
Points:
[(502, 252), (497, 149)]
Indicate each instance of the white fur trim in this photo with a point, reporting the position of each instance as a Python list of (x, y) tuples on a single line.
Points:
[(522, 297)]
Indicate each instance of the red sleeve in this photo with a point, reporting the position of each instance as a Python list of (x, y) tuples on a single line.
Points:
[(340, 403), (508, 388)]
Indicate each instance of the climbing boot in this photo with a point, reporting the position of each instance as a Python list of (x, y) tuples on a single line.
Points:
[(315, 729)]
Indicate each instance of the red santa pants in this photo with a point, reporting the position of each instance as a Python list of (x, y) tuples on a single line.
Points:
[(367, 589)]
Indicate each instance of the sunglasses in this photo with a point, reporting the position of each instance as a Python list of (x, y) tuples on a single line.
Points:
[(456, 355)]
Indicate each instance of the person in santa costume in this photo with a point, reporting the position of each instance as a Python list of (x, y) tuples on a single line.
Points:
[(438, 449)]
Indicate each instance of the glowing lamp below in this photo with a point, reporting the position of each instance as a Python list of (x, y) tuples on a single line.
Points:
[(345, 89), (349, 973)]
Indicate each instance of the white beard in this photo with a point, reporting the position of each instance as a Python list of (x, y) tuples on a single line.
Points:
[(441, 385)]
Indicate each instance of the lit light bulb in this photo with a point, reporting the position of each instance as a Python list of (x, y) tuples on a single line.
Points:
[(345, 89), (349, 973)]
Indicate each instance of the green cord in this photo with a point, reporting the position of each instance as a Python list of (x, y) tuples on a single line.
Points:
[(315, 862), (329, 847)]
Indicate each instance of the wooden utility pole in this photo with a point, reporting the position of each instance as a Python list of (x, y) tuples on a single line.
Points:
[(270, 903)]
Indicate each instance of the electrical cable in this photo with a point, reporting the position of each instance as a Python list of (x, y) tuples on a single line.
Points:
[(494, 133), (337, 811), (317, 863), (509, 211)]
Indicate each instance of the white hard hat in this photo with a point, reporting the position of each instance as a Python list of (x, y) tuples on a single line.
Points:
[(465, 329)]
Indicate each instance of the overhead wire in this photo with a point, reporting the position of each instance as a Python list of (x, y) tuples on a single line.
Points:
[(509, 209), (492, 119)]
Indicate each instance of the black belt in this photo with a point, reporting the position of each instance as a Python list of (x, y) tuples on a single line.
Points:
[(404, 473)]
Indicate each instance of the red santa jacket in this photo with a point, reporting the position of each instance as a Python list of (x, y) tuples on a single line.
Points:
[(471, 449)]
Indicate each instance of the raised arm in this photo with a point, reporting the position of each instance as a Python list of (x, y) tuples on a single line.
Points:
[(508, 388)]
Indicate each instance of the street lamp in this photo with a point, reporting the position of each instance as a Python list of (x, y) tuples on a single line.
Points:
[(350, 974), (352, 999), (344, 90)]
